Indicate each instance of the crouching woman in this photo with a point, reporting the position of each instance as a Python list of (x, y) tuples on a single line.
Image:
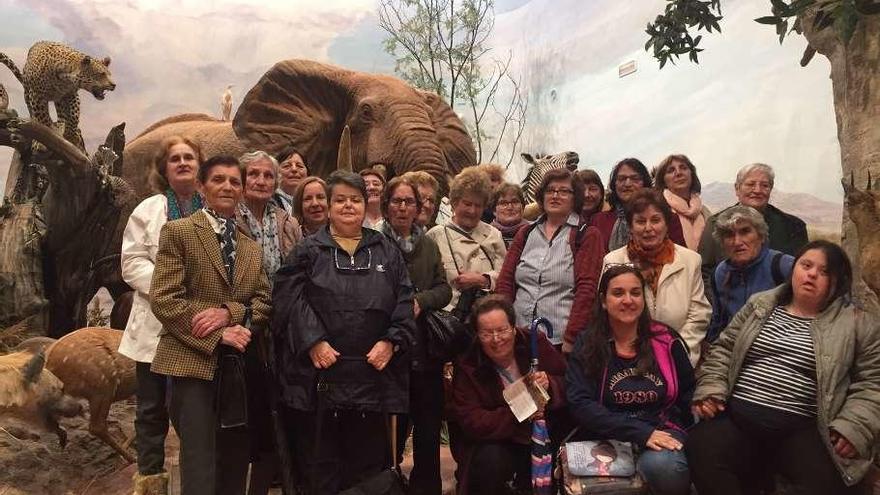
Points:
[(630, 379), (493, 448)]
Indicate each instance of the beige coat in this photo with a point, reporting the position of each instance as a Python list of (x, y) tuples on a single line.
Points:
[(457, 248), (681, 301), (140, 242), (846, 342)]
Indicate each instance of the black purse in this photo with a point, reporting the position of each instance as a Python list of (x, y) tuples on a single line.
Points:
[(445, 333)]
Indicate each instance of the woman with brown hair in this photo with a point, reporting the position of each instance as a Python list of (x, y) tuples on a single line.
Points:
[(676, 178), (310, 205), (173, 179), (675, 294), (556, 280), (508, 203)]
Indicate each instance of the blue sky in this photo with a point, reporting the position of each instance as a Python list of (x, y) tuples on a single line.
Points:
[(747, 101)]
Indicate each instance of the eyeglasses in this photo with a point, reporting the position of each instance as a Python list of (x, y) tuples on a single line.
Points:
[(562, 193), (352, 267), (494, 335), (506, 204), (635, 179), (398, 202)]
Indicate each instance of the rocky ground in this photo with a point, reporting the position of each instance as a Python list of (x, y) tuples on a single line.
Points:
[(32, 462)]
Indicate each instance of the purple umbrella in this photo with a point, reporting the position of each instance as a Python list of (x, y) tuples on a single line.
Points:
[(542, 455)]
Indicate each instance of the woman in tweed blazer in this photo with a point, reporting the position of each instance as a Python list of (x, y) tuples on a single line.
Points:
[(207, 276)]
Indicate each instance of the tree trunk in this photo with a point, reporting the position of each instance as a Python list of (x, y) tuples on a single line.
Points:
[(855, 79), (61, 212)]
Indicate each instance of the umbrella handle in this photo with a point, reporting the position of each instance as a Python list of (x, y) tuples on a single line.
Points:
[(533, 334)]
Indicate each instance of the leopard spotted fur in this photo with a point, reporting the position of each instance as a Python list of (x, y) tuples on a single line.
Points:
[(55, 72)]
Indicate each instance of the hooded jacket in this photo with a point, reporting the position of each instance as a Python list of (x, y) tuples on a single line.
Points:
[(846, 341), (352, 302)]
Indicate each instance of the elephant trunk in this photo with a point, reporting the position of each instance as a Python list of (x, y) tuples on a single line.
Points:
[(419, 149)]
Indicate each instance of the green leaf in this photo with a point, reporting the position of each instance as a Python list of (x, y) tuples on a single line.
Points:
[(768, 19)]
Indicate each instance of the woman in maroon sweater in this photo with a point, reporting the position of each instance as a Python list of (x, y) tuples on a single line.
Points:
[(628, 177), (490, 446), (552, 266)]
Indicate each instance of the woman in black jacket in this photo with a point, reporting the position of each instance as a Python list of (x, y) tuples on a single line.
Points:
[(401, 204), (343, 321)]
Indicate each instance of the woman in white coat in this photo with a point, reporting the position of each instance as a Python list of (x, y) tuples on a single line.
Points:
[(173, 179), (676, 294)]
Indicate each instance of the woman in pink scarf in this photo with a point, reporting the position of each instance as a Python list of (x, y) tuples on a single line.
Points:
[(676, 177)]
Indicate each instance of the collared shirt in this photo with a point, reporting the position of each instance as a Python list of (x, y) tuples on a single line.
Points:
[(215, 224), (545, 278)]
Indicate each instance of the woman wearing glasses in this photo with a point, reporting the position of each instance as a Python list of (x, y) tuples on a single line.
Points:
[(507, 205), (343, 314), (675, 294), (628, 177), (493, 448), (401, 204), (553, 265), (629, 379)]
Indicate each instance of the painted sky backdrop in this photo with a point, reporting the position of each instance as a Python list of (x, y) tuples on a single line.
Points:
[(748, 100)]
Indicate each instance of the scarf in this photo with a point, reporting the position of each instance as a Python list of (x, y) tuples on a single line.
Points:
[(508, 232), (227, 241), (175, 212), (406, 244), (651, 262), (266, 235), (620, 232), (691, 216)]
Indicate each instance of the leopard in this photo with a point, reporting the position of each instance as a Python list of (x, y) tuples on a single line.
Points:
[(56, 72)]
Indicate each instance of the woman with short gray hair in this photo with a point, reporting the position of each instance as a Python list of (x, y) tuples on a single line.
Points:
[(749, 267), (259, 218)]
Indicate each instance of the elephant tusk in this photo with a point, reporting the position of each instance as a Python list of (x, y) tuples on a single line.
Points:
[(343, 157)]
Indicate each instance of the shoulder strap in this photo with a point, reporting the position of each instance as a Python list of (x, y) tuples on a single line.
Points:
[(776, 269), (468, 236), (662, 341), (451, 251), (579, 236)]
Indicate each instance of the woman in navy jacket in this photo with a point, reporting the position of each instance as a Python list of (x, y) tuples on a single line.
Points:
[(343, 322), (630, 379)]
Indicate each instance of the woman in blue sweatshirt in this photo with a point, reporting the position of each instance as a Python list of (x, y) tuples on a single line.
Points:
[(629, 379)]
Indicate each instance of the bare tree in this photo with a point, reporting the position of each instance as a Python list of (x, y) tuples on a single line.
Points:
[(440, 46)]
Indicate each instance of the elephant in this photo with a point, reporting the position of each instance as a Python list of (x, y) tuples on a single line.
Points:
[(306, 104)]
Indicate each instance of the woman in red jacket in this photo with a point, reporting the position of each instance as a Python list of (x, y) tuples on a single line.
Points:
[(491, 447), (552, 267)]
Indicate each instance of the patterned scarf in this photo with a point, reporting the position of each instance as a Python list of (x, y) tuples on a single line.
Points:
[(508, 232), (227, 241), (651, 262), (266, 235), (406, 244), (620, 232), (175, 212)]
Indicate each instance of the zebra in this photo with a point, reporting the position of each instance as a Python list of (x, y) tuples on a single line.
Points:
[(541, 164)]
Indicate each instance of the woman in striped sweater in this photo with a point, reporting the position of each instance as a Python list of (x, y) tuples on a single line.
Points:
[(792, 385)]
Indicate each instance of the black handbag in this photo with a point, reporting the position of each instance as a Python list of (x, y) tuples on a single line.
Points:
[(445, 335), (231, 400)]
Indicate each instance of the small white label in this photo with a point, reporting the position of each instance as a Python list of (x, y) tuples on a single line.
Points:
[(627, 68)]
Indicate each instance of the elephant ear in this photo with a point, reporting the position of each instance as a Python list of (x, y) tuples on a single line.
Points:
[(297, 103), (456, 143)]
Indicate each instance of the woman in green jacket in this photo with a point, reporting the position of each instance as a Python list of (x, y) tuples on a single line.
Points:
[(401, 205), (791, 386)]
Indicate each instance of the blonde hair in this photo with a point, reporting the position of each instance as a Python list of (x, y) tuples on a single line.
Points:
[(473, 181), (158, 179), (421, 178)]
